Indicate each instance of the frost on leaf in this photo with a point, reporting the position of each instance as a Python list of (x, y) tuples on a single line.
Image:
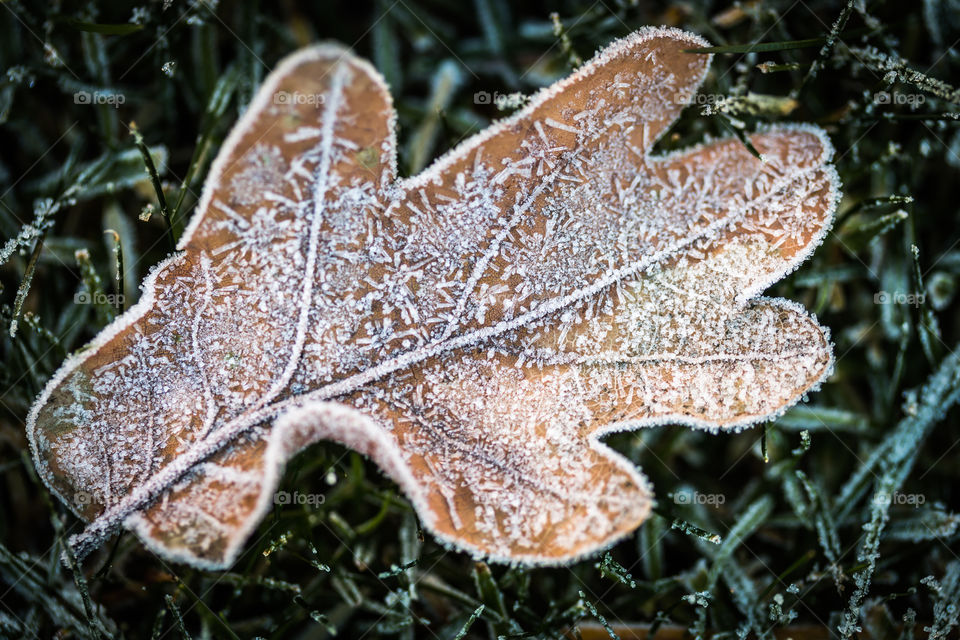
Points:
[(473, 329)]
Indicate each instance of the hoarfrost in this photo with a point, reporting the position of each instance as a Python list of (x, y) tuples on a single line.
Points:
[(474, 329)]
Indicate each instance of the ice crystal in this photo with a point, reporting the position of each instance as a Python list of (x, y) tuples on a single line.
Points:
[(473, 329), (946, 609)]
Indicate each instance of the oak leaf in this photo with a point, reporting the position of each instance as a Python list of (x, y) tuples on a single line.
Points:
[(474, 329)]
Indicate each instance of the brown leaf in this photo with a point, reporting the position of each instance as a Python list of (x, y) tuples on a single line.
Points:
[(474, 329)]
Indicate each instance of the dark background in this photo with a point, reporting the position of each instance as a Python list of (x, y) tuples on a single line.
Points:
[(804, 540)]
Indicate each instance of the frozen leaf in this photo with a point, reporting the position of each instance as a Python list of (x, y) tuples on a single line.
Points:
[(474, 329)]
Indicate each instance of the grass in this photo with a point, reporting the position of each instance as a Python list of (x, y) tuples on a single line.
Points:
[(842, 514)]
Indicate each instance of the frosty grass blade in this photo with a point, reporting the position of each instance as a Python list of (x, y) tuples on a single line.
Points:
[(474, 329)]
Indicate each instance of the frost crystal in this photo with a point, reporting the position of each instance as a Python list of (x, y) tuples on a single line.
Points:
[(474, 329)]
